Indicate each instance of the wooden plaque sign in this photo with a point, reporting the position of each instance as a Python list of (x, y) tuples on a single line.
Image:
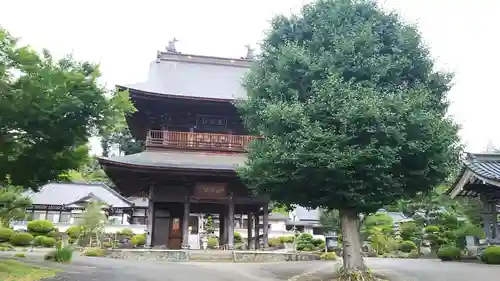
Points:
[(209, 121), (210, 190)]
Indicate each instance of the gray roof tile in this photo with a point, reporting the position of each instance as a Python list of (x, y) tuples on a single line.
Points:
[(195, 76), (66, 193), (180, 160), (484, 165)]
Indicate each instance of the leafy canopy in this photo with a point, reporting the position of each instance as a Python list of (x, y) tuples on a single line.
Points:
[(48, 110), (351, 110)]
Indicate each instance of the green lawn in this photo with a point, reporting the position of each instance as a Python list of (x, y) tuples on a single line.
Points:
[(11, 270)]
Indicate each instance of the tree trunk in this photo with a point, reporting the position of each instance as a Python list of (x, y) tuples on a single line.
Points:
[(350, 222)]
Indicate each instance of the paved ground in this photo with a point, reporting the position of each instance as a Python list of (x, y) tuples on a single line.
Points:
[(100, 269), (435, 270)]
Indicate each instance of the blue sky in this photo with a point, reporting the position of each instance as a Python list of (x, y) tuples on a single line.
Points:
[(125, 35)]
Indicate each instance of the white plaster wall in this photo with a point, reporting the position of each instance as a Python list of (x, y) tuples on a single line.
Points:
[(136, 228)]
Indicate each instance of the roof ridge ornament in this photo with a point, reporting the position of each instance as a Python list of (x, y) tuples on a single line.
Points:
[(170, 48), (250, 52)]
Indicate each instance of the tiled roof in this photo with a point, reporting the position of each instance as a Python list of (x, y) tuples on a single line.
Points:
[(180, 160), (482, 168), (195, 76), (304, 214), (66, 193), (484, 165), (278, 216)]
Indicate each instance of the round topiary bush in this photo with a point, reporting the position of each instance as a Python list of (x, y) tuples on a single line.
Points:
[(74, 232), (40, 227), (431, 229), (5, 234), (237, 238), (407, 246), (449, 253), (37, 241), (491, 255), (48, 242), (21, 239), (212, 242), (138, 240)]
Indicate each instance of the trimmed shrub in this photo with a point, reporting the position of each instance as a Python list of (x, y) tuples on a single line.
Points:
[(330, 256), (305, 242), (413, 255), (286, 239), (94, 252), (431, 229), (6, 246), (5, 234), (212, 242), (237, 238), (48, 242), (275, 242), (407, 246), (37, 241), (40, 227), (19, 255), (126, 232), (491, 255), (74, 232), (449, 253), (21, 239), (138, 240)]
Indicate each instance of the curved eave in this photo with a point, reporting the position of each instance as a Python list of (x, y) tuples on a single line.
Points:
[(108, 164), (148, 94), (470, 175)]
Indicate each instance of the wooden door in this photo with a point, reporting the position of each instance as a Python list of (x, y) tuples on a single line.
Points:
[(175, 237)]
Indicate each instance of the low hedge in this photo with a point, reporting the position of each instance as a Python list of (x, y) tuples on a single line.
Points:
[(407, 246), (37, 241), (5, 234), (139, 240), (491, 255), (330, 256), (48, 242), (21, 239), (94, 252), (449, 253)]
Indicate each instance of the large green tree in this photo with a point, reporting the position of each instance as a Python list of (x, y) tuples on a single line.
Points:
[(48, 110), (351, 112)]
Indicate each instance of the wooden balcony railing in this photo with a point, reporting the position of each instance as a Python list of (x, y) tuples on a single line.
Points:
[(200, 141)]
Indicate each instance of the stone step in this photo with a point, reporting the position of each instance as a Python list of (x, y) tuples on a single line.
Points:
[(210, 255)]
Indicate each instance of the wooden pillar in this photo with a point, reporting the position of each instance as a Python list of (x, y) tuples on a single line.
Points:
[(486, 218), (150, 223), (494, 219), (60, 214), (222, 227), (265, 222), (249, 230), (257, 232), (185, 226), (230, 223)]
